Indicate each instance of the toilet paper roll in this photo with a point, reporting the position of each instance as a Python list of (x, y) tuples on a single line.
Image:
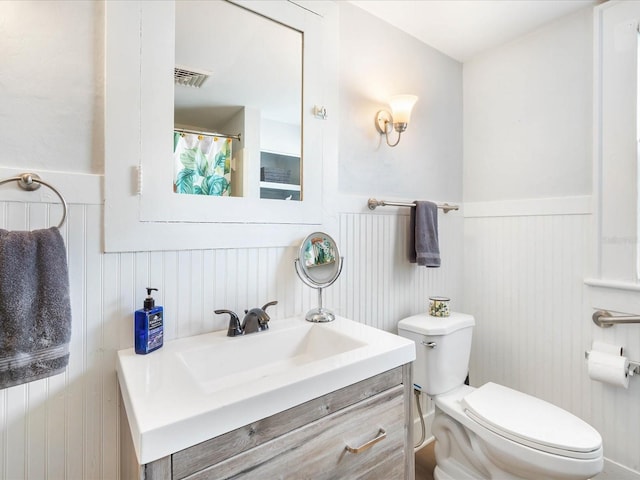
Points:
[(606, 348), (608, 368)]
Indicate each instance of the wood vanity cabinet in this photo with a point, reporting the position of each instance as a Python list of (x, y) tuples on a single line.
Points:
[(309, 441)]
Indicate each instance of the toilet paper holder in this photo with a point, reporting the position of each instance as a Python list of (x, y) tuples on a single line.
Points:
[(634, 367)]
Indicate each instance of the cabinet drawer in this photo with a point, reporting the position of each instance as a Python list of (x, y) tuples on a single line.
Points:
[(318, 450), (211, 452)]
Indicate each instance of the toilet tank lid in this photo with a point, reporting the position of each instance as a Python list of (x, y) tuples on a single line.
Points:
[(425, 324)]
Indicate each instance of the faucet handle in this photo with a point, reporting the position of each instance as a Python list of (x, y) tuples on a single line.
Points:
[(263, 319), (234, 323), (270, 304)]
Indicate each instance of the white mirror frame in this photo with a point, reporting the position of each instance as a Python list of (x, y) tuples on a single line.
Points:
[(138, 125)]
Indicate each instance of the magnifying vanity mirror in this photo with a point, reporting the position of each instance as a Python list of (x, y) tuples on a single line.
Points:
[(319, 265)]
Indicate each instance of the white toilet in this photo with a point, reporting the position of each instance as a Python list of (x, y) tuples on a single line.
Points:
[(492, 432)]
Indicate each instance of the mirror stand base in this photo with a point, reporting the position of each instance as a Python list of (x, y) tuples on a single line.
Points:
[(319, 315)]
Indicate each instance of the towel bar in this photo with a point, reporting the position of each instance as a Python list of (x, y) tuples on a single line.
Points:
[(373, 203), (31, 182)]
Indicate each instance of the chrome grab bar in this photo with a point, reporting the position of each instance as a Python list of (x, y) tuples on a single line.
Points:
[(604, 319)]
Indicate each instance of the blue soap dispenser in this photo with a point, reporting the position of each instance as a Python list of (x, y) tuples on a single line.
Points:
[(149, 326)]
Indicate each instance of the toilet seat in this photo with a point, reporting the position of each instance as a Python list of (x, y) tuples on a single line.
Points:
[(511, 457), (532, 422)]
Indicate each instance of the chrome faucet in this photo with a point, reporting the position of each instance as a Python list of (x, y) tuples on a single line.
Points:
[(255, 320)]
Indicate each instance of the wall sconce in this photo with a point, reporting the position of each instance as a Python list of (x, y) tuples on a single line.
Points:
[(398, 118)]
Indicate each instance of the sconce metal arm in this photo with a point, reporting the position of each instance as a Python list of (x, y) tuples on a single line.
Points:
[(385, 125)]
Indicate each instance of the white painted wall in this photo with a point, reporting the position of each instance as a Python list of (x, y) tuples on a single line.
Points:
[(529, 230), (378, 61), (51, 85), (527, 115), (66, 426)]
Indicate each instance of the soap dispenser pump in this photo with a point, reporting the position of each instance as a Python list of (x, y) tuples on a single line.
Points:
[(149, 325)]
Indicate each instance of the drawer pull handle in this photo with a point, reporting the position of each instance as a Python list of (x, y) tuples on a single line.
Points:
[(381, 436)]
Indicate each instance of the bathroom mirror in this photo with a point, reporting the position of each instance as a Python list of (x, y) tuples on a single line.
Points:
[(242, 78), (319, 265), (142, 212)]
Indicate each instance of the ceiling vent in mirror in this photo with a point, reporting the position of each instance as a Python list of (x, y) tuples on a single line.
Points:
[(189, 77)]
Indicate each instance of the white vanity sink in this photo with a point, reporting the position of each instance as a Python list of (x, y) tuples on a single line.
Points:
[(200, 387), (224, 364)]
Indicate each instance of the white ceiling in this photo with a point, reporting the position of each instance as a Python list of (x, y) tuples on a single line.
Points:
[(463, 28)]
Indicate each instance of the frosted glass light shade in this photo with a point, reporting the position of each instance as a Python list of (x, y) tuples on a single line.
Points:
[(401, 106)]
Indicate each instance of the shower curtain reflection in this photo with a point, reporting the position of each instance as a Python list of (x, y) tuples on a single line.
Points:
[(202, 164)]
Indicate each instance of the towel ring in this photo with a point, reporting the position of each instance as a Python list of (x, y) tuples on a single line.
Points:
[(31, 182)]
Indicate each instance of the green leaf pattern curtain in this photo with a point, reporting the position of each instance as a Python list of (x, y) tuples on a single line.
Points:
[(202, 164)]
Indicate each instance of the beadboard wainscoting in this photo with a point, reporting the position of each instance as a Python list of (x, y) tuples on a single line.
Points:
[(379, 286), (524, 282), (67, 426)]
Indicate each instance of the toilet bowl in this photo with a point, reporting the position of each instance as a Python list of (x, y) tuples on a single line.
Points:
[(492, 432)]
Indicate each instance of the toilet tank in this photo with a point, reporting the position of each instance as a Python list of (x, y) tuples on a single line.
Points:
[(443, 347)]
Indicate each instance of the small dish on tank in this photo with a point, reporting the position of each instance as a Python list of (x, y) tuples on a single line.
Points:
[(439, 306)]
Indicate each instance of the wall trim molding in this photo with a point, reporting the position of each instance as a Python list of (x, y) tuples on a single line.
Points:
[(614, 296), (576, 205), (613, 284), (88, 189), (76, 188)]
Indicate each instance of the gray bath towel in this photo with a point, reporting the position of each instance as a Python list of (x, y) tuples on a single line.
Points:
[(35, 309), (423, 234)]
